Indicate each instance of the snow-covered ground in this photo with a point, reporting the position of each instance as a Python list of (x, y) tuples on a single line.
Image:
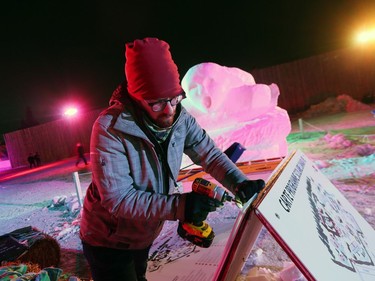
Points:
[(342, 145)]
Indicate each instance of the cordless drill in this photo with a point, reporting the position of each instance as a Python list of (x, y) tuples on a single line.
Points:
[(201, 233)]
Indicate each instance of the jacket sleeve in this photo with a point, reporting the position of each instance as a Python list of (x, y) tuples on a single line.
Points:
[(114, 183), (203, 151)]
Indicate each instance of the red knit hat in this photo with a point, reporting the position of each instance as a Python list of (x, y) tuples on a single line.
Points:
[(150, 70)]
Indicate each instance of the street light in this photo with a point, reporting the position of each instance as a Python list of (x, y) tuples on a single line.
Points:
[(70, 111), (365, 36)]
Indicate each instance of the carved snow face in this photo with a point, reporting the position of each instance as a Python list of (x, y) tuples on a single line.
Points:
[(208, 84), (221, 93)]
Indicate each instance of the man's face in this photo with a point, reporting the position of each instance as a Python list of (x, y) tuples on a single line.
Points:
[(163, 111)]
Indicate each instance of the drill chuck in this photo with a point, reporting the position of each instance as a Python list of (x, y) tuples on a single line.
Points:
[(211, 190)]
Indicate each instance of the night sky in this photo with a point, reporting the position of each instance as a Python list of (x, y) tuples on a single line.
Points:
[(56, 52)]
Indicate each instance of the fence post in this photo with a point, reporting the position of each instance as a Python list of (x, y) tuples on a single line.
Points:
[(300, 124), (77, 185)]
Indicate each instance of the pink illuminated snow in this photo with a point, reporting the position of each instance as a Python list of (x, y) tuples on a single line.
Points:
[(232, 107)]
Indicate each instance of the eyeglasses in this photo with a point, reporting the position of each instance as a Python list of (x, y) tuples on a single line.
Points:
[(161, 104)]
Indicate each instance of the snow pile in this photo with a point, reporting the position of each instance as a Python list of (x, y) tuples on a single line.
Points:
[(72, 216), (341, 103), (70, 203), (350, 168), (337, 141), (228, 103), (357, 163), (365, 149)]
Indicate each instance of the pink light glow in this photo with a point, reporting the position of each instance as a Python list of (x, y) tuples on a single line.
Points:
[(70, 111), (232, 107)]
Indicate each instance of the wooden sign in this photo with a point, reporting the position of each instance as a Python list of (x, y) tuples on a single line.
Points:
[(322, 233), (316, 225)]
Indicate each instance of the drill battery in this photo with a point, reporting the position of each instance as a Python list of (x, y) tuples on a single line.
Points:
[(201, 235)]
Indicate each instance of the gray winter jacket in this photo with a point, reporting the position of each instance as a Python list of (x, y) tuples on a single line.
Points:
[(131, 193)]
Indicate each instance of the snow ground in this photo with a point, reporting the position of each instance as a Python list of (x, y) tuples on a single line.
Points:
[(341, 144)]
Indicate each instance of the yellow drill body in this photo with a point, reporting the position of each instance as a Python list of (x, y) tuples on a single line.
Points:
[(201, 234)]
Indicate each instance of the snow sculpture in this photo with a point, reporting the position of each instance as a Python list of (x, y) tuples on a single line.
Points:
[(231, 107)]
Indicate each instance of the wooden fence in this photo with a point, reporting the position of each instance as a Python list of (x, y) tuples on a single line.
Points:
[(309, 81), (53, 141)]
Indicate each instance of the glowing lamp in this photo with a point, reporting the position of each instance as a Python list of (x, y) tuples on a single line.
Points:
[(366, 36), (71, 111)]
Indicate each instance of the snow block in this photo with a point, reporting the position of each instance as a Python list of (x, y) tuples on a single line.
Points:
[(231, 107)]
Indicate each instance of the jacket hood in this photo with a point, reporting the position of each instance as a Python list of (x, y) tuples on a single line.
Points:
[(119, 95)]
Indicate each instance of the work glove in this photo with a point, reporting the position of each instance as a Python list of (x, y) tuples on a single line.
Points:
[(198, 206), (246, 189)]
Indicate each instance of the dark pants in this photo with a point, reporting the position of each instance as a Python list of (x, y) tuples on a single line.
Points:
[(113, 264), (81, 157)]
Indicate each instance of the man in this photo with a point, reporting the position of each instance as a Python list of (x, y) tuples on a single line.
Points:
[(80, 154), (136, 152), (31, 160)]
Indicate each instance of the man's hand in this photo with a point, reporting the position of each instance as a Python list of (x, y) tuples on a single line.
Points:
[(198, 206), (246, 189)]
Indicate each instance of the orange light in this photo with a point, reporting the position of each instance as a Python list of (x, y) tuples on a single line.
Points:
[(365, 36)]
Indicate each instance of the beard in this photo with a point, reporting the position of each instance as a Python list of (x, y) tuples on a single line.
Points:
[(165, 120), (161, 120)]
